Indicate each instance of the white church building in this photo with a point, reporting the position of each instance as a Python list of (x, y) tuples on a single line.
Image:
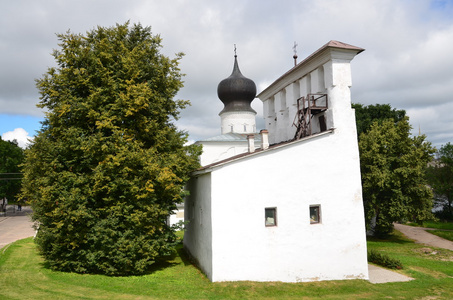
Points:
[(284, 204)]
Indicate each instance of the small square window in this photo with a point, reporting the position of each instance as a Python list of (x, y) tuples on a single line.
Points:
[(315, 214), (270, 215)]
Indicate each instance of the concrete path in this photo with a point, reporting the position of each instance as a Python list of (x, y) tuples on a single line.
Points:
[(15, 226), (420, 235), (381, 275)]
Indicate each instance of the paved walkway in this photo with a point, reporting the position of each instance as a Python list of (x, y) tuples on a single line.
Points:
[(15, 226), (381, 275), (420, 235)]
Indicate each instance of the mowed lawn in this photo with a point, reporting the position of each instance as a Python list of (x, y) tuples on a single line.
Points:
[(445, 229), (24, 276)]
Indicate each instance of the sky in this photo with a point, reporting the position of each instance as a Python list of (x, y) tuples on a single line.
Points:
[(408, 61)]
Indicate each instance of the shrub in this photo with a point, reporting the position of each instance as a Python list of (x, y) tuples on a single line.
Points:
[(384, 260)]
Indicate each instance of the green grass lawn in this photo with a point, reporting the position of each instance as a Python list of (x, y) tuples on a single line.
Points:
[(24, 276), (437, 225), (448, 235), (444, 228)]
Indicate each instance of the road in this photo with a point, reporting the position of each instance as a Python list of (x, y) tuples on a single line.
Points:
[(15, 226)]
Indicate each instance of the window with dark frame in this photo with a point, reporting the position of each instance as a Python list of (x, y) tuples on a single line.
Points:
[(315, 214), (270, 216)]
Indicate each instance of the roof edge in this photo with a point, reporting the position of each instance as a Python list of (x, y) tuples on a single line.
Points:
[(331, 44), (209, 168)]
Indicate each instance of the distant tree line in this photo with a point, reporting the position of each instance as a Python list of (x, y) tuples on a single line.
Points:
[(11, 157), (440, 178)]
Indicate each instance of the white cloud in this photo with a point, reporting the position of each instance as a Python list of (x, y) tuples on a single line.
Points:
[(407, 62), (18, 134)]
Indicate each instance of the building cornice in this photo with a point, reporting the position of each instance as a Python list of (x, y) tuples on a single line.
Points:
[(333, 50)]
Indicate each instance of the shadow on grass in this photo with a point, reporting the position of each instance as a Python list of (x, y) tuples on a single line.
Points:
[(188, 259), (394, 237), (161, 263), (185, 258)]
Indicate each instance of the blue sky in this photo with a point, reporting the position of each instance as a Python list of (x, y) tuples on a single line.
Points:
[(10, 123), (407, 62), (27, 122)]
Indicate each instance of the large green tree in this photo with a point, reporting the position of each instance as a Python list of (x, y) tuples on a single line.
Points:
[(108, 166), (393, 179), (440, 178), (367, 114), (11, 157)]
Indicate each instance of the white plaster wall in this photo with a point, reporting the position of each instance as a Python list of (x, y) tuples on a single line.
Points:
[(291, 180), (338, 81), (235, 121), (270, 117), (281, 115), (198, 229), (315, 81), (292, 94), (217, 151), (177, 215)]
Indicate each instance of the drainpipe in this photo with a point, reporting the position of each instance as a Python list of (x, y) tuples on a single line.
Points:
[(264, 139)]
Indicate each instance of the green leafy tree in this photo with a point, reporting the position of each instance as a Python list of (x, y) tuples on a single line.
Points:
[(366, 115), (393, 179), (11, 157), (108, 166), (440, 178)]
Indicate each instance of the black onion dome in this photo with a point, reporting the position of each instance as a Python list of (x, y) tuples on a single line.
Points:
[(236, 92)]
